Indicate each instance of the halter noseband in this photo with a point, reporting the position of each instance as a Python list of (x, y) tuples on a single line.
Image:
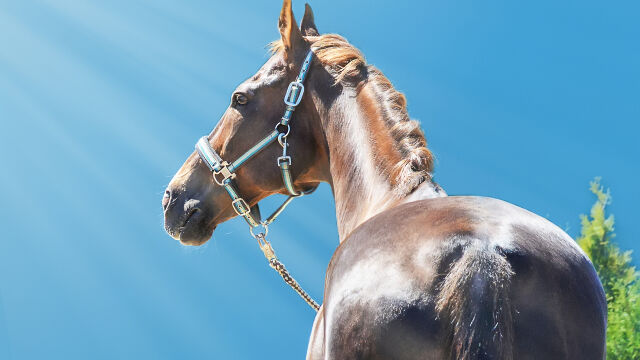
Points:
[(224, 174)]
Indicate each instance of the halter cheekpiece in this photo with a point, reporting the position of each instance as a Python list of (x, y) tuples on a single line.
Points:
[(224, 173)]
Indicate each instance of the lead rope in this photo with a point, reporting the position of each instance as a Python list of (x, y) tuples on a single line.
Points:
[(270, 254), (278, 266)]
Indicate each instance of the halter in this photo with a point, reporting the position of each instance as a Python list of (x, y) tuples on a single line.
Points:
[(224, 173)]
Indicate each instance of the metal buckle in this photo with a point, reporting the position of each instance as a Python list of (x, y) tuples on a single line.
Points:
[(282, 159), (287, 95), (225, 172), (265, 246), (242, 203)]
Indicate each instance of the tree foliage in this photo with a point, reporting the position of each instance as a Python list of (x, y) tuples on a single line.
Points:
[(619, 278)]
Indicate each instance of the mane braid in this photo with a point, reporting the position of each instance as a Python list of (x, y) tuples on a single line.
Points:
[(349, 68)]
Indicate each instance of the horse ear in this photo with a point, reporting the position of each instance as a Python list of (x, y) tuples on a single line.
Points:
[(308, 24), (291, 35)]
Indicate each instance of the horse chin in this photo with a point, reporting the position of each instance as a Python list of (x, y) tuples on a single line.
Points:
[(196, 233), (195, 239)]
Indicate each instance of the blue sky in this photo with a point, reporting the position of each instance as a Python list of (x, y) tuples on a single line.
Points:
[(101, 102)]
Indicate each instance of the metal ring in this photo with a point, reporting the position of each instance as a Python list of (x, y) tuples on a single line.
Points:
[(262, 234), (225, 173), (285, 134), (219, 182)]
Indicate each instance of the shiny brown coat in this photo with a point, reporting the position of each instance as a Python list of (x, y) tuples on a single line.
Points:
[(418, 274)]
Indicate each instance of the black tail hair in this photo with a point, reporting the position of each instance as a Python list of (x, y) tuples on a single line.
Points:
[(474, 299)]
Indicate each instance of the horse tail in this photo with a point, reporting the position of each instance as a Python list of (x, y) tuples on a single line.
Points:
[(474, 298)]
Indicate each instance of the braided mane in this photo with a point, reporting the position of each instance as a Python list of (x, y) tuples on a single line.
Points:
[(348, 66)]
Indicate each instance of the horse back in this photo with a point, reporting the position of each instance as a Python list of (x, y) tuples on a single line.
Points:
[(463, 278)]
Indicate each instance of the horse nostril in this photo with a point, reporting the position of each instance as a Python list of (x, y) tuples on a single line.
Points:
[(165, 200)]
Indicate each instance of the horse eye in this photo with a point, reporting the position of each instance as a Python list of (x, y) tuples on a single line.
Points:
[(240, 99)]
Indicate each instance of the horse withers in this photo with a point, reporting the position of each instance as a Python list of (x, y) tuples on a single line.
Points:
[(418, 274)]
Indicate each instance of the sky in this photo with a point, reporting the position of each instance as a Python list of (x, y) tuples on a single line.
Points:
[(102, 101)]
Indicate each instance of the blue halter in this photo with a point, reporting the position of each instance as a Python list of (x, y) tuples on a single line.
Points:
[(224, 172)]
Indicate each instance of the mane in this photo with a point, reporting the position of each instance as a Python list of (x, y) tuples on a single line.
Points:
[(348, 67)]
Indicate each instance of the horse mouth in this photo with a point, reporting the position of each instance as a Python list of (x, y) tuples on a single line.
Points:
[(193, 230), (190, 215)]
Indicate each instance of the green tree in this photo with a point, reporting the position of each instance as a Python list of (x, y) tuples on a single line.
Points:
[(619, 278)]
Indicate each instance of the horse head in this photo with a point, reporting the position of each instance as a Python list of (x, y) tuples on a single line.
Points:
[(193, 203)]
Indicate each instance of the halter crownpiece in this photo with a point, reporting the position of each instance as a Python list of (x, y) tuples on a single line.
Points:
[(224, 173)]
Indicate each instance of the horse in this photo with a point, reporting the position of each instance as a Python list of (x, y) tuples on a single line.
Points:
[(417, 274)]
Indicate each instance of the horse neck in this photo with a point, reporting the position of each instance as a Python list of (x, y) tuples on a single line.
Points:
[(362, 154)]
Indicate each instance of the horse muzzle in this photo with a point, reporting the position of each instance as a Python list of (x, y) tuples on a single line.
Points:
[(187, 219)]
